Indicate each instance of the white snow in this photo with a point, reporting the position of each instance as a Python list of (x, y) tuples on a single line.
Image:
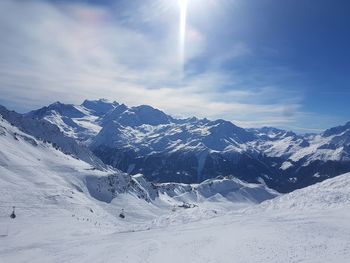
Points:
[(317, 175), (240, 236), (331, 193), (286, 165)]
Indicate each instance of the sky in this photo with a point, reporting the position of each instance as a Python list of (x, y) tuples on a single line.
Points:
[(254, 62)]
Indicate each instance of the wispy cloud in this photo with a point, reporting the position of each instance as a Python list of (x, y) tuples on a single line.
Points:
[(70, 52)]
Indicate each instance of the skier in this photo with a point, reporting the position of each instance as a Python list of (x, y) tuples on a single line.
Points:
[(13, 215), (122, 215)]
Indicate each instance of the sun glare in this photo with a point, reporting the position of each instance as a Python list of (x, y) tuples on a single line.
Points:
[(182, 29)]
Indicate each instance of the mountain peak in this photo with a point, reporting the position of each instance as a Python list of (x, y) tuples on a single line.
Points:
[(58, 105), (100, 106), (150, 115), (68, 110), (337, 130), (101, 100), (136, 116)]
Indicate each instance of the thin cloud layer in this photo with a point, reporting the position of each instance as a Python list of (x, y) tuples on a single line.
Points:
[(70, 52)]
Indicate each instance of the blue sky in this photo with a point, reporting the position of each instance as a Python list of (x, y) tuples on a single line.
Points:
[(256, 63)]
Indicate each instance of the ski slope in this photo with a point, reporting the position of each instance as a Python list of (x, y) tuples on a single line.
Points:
[(321, 236)]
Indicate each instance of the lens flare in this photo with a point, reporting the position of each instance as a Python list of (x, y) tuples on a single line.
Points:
[(182, 30)]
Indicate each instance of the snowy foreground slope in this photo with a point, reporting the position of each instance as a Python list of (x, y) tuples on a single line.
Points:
[(271, 232), (329, 194), (61, 218)]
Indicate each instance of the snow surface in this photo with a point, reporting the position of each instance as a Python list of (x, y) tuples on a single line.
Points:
[(332, 193), (280, 236)]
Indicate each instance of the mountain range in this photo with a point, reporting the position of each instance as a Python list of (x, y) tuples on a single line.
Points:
[(70, 206), (39, 173), (145, 140)]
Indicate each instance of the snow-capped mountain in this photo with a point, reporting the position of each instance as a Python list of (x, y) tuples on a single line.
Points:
[(25, 159), (145, 140), (49, 132), (53, 192), (41, 169), (79, 122)]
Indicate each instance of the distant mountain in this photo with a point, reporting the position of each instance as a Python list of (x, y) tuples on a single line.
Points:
[(79, 122), (228, 187), (33, 170), (48, 132), (146, 140), (36, 173)]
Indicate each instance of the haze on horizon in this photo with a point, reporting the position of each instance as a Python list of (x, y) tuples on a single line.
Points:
[(256, 63)]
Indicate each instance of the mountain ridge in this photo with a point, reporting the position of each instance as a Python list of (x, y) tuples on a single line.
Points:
[(143, 139)]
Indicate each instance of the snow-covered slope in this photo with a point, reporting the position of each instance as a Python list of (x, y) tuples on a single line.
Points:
[(79, 122), (278, 143), (331, 193), (331, 145), (58, 223), (35, 172), (46, 131), (305, 160), (230, 188)]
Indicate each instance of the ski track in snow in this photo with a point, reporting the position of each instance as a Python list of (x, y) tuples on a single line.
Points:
[(235, 237)]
